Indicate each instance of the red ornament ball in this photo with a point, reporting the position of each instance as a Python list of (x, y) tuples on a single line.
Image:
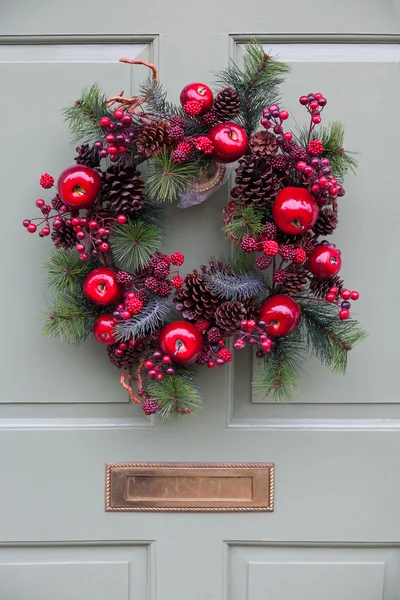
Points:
[(182, 341), (281, 314), (325, 263), (79, 186), (103, 329), (101, 287), (294, 210)]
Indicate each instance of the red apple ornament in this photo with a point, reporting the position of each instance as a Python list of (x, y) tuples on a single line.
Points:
[(103, 329), (229, 141), (199, 92), (324, 262), (294, 210), (181, 341), (79, 186), (101, 287), (281, 314)]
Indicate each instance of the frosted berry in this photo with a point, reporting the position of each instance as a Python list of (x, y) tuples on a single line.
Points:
[(248, 244), (287, 251), (161, 270), (176, 134), (204, 144), (263, 262), (300, 256), (214, 335), (124, 278), (225, 355), (279, 276), (163, 289), (46, 181), (134, 305), (270, 231), (192, 107), (177, 259), (181, 152), (177, 282), (150, 407), (202, 326), (152, 284), (271, 248)]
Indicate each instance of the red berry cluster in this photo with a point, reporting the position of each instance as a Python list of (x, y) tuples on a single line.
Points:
[(132, 305), (273, 117), (253, 333), (119, 136), (218, 355), (192, 107), (318, 177), (341, 299), (159, 366), (46, 181), (203, 144), (315, 104)]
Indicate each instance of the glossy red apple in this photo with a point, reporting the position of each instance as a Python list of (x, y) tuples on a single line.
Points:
[(101, 287), (79, 186), (103, 329), (199, 92), (229, 141), (324, 262), (294, 210), (281, 314), (182, 341)]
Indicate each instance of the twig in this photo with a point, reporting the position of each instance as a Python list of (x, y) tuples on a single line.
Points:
[(131, 104)]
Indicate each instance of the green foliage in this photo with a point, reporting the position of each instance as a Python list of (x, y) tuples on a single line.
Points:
[(236, 286), (133, 244), (256, 82), (84, 115), (70, 318), (246, 221), (281, 368), (332, 138), (166, 179), (175, 393), (327, 337), (156, 100), (66, 271), (153, 315)]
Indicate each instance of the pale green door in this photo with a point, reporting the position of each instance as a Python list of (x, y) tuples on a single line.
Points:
[(335, 531)]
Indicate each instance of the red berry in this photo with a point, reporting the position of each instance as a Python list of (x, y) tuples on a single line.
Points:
[(93, 225), (177, 259), (127, 119), (149, 364), (303, 100), (177, 282), (315, 147), (40, 203), (355, 295), (334, 290), (134, 305), (118, 114), (31, 228), (84, 256), (45, 231), (225, 354), (105, 121), (250, 325), (288, 136), (235, 192), (112, 150), (159, 376), (46, 181), (152, 373), (346, 294), (271, 248), (344, 314), (26, 222), (283, 115), (211, 364), (104, 246), (204, 144), (301, 165), (80, 247), (316, 119), (121, 219), (314, 104), (125, 314), (202, 326), (166, 359), (192, 107), (110, 138), (330, 297), (239, 344)]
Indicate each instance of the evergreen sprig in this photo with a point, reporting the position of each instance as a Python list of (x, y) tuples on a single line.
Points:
[(156, 100), (70, 318), (246, 221), (166, 180), (66, 271), (281, 368), (152, 316), (175, 393), (256, 82), (84, 115), (327, 337), (236, 286), (133, 244)]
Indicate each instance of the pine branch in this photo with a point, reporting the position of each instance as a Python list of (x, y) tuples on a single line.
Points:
[(236, 286), (70, 318), (328, 338), (176, 394), (156, 100), (84, 115), (246, 221), (256, 82), (167, 180), (133, 244), (281, 368), (66, 271), (153, 315)]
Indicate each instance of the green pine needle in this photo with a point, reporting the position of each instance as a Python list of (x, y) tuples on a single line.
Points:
[(133, 244), (282, 368), (246, 221), (84, 115), (152, 316), (328, 338), (174, 393), (167, 180), (66, 271), (70, 318)]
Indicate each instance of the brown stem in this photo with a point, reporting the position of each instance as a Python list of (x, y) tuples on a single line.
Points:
[(131, 104)]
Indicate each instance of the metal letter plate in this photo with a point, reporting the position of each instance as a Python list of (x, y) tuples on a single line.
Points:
[(190, 487)]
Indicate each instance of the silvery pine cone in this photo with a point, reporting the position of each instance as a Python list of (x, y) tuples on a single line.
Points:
[(196, 301), (123, 189), (326, 223), (87, 156), (227, 104), (263, 143), (321, 287), (152, 138), (256, 181), (229, 315), (295, 280), (130, 357), (64, 238)]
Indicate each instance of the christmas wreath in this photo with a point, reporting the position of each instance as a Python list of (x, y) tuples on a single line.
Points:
[(281, 293)]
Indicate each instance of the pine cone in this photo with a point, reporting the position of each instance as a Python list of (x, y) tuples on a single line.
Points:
[(227, 104), (263, 143), (152, 138), (252, 309), (229, 315), (64, 238), (88, 156), (130, 357), (57, 202), (123, 189), (196, 301), (257, 183), (321, 287), (296, 279), (326, 223)]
